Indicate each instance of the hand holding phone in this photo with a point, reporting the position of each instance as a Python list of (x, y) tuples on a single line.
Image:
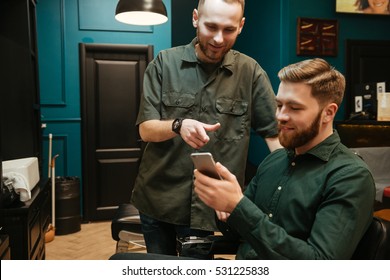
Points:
[(205, 163)]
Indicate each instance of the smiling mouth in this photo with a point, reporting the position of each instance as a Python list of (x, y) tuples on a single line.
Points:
[(380, 4), (285, 128), (216, 48)]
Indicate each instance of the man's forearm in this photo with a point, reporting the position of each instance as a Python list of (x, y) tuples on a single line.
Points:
[(156, 130)]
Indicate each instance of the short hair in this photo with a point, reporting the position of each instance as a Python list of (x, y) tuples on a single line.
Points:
[(327, 84), (362, 4), (241, 2)]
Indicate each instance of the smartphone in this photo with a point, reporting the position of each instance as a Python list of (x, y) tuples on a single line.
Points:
[(204, 162)]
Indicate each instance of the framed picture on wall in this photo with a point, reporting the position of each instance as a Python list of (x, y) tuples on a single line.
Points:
[(364, 7), (317, 37)]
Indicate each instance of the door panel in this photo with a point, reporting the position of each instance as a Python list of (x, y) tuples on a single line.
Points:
[(111, 85)]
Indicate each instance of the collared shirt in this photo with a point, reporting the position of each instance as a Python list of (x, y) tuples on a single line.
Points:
[(237, 94), (312, 206)]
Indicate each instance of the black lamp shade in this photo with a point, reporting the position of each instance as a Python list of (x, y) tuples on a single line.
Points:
[(141, 12)]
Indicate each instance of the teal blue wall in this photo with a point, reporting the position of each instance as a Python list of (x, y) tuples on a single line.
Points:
[(61, 26), (269, 36)]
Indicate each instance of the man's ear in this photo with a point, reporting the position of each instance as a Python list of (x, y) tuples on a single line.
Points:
[(241, 25), (195, 18), (329, 112)]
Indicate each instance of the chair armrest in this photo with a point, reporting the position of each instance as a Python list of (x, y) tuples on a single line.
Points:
[(210, 245), (222, 245)]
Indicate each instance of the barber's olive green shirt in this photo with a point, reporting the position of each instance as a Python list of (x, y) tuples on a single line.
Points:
[(237, 94), (312, 206)]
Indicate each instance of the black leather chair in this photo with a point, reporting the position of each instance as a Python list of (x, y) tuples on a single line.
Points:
[(375, 244), (126, 228)]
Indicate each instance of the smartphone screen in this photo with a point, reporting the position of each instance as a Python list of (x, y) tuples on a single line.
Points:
[(204, 162)]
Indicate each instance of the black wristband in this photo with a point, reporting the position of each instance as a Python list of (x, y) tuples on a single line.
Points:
[(176, 125)]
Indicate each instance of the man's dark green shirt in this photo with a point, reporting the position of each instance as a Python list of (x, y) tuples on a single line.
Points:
[(237, 94), (312, 206)]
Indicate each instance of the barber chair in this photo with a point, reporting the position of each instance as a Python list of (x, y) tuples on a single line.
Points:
[(375, 244), (126, 230)]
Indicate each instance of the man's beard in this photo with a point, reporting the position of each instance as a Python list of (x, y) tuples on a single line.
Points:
[(299, 138), (211, 56)]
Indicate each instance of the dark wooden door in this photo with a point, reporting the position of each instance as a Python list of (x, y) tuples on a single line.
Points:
[(111, 85)]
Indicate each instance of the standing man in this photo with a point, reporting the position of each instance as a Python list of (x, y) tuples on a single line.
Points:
[(200, 97), (312, 200)]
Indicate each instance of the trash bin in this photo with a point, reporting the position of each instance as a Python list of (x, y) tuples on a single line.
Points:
[(67, 205)]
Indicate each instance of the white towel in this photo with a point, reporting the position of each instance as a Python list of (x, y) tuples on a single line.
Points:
[(20, 185)]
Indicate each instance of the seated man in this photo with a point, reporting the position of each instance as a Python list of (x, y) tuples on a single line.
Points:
[(314, 198)]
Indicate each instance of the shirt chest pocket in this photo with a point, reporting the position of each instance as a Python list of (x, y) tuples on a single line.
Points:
[(233, 116), (177, 105)]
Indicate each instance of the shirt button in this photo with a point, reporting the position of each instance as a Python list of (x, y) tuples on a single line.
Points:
[(270, 215), (293, 163), (279, 188)]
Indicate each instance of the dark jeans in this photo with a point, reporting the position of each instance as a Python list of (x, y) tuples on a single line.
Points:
[(161, 238)]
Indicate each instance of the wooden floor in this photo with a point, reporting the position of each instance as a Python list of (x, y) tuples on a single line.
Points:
[(92, 242)]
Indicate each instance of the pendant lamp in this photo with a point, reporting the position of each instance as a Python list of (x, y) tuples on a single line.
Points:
[(141, 12)]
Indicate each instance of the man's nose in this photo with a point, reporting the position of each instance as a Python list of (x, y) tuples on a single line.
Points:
[(218, 37), (281, 115)]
